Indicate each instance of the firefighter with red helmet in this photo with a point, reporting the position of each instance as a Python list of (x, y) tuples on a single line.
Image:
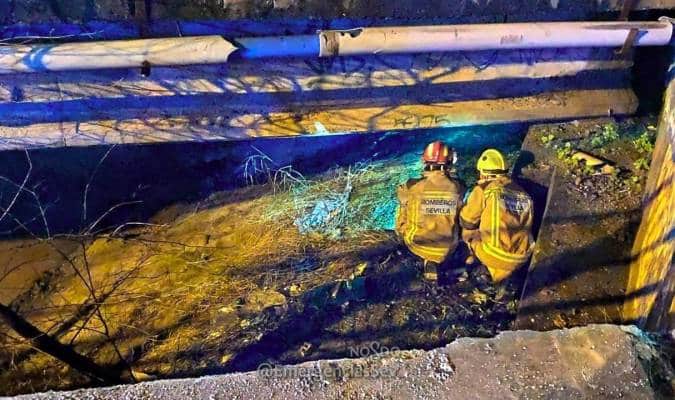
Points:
[(427, 217)]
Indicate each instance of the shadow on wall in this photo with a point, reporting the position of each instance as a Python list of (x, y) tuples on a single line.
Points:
[(234, 108), (243, 98), (72, 187)]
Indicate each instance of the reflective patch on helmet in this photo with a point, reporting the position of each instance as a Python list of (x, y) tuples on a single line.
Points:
[(438, 206)]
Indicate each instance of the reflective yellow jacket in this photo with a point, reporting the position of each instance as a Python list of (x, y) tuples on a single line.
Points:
[(502, 211), (426, 220)]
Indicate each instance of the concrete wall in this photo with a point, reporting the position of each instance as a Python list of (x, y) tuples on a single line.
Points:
[(651, 285), (291, 97), (31, 11)]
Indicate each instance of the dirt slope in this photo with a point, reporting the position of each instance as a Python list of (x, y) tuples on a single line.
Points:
[(231, 282)]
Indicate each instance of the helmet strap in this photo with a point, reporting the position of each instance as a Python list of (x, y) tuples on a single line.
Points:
[(435, 167)]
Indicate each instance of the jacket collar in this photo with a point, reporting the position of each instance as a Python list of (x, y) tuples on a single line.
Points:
[(437, 172), (497, 178)]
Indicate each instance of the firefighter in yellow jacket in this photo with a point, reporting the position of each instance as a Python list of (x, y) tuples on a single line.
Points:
[(428, 208), (497, 219)]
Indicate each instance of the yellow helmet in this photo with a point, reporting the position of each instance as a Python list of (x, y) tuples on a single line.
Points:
[(491, 162)]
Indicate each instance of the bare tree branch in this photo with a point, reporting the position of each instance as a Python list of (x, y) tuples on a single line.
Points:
[(81, 266), (21, 187), (105, 214), (91, 178), (127, 224), (53, 347)]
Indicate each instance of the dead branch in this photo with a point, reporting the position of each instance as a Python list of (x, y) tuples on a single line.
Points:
[(56, 349), (20, 189), (127, 224), (49, 344), (89, 230), (91, 179), (9, 271)]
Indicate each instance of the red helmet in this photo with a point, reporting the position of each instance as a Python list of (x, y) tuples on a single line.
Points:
[(438, 153)]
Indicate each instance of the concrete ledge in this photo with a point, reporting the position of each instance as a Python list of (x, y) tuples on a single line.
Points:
[(594, 362)]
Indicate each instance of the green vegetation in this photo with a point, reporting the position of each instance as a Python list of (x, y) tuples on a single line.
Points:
[(641, 164), (547, 139), (644, 143), (565, 149), (609, 133), (608, 138), (587, 170), (564, 153)]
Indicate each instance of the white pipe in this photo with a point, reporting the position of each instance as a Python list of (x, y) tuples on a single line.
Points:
[(418, 39), (388, 40), (114, 54)]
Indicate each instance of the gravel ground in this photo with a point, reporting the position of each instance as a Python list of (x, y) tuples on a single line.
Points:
[(593, 362)]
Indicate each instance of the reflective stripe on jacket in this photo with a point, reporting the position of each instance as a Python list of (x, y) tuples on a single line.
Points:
[(426, 220), (503, 213)]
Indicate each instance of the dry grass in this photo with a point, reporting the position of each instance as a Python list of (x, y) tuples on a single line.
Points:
[(171, 293), (22, 262), (344, 201)]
